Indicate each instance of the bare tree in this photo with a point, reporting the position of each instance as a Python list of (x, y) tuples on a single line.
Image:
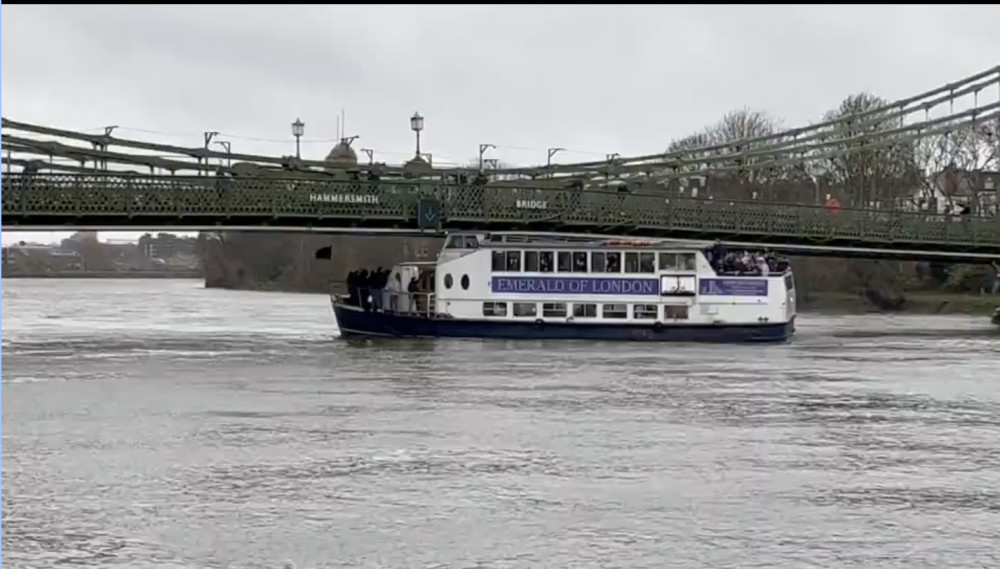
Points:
[(739, 178), (862, 175)]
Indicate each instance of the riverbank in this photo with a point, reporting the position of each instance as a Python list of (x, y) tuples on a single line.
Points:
[(107, 275), (916, 303)]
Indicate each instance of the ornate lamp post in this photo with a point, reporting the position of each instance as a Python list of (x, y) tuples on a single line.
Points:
[(417, 125), (298, 129)]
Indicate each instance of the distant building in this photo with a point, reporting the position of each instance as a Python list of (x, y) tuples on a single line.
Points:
[(167, 246), (42, 257), (952, 189)]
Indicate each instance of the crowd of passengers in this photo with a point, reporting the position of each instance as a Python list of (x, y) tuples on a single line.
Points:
[(364, 286), (360, 283), (745, 262)]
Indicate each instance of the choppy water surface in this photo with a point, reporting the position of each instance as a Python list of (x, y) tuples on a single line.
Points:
[(157, 424)]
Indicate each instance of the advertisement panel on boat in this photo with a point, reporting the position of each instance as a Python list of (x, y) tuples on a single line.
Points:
[(573, 285), (732, 287)]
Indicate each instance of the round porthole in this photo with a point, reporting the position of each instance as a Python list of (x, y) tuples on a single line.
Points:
[(448, 281), (465, 282)]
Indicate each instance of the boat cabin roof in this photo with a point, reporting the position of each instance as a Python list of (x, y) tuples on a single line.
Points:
[(416, 264), (475, 240)]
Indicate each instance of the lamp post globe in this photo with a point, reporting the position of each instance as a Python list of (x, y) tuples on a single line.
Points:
[(298, 129), (417, 125)]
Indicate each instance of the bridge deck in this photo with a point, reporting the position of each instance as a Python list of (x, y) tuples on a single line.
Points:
[(35, 200)]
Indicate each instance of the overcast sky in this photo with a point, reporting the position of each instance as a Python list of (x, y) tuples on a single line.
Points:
[(592, 79)]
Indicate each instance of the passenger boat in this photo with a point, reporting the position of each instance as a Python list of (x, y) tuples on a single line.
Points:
[(544, 286)]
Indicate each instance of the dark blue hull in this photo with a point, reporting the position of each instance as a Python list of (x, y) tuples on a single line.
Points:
[(354, 322)]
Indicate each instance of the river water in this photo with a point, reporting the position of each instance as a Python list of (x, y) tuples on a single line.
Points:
[(158, 424)]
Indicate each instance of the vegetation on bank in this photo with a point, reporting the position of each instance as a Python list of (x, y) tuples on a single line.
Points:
[(915, 303)]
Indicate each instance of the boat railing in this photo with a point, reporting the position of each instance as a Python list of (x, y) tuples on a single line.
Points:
[(391, 302), (787, 270)]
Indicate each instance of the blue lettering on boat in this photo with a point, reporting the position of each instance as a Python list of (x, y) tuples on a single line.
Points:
[(570, 285), (732, 287)]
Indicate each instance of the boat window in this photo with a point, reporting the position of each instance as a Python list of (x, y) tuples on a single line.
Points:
[(499, 261), (453, 242), (513, 261), (584, 311), (647, 262), (531, 261), (675, 312), (579, 262), (525, 309), (645, 312), (545, 262), (494, 309), (631, 262), (614, 264), (616, 311), (598, 262), (471, 242), (465, 282), (554, 310), (678, 262), (677, 285), (565, 262), (448, 281), (789, 282)]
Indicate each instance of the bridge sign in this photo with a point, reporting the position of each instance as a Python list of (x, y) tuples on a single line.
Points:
[(429, 214)]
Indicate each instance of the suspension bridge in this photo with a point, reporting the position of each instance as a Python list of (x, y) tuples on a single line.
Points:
[(916, 177)]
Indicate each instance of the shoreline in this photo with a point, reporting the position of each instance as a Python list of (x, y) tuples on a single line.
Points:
[(917, 303), (108, 275), (832, 303)]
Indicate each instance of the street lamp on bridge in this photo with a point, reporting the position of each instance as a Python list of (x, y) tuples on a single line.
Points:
[(553, 152), (417, 125), (229, 150), (371, 155), (298, 129), (482, 150)]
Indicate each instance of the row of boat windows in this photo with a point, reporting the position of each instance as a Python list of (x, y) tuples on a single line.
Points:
[(592, 262), (581, 310)]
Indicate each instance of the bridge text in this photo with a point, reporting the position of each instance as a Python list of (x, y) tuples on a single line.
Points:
[(344, 198), (532, 204)]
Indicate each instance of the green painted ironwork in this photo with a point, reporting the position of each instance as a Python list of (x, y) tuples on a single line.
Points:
[(34, 200)]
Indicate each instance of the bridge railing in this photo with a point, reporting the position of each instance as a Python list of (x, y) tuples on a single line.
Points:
[(136, 199)]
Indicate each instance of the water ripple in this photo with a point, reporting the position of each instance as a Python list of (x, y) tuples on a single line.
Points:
[(160, 425)]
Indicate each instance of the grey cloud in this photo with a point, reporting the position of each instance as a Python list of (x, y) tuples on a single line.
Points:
[(600, 78), (606, 79)]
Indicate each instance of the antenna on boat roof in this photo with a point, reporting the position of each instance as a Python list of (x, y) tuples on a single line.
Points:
[(343, 122), (338, 127)]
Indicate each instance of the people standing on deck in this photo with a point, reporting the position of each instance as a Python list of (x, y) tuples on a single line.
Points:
[(364, 287), (745, 262), (352, 288)]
